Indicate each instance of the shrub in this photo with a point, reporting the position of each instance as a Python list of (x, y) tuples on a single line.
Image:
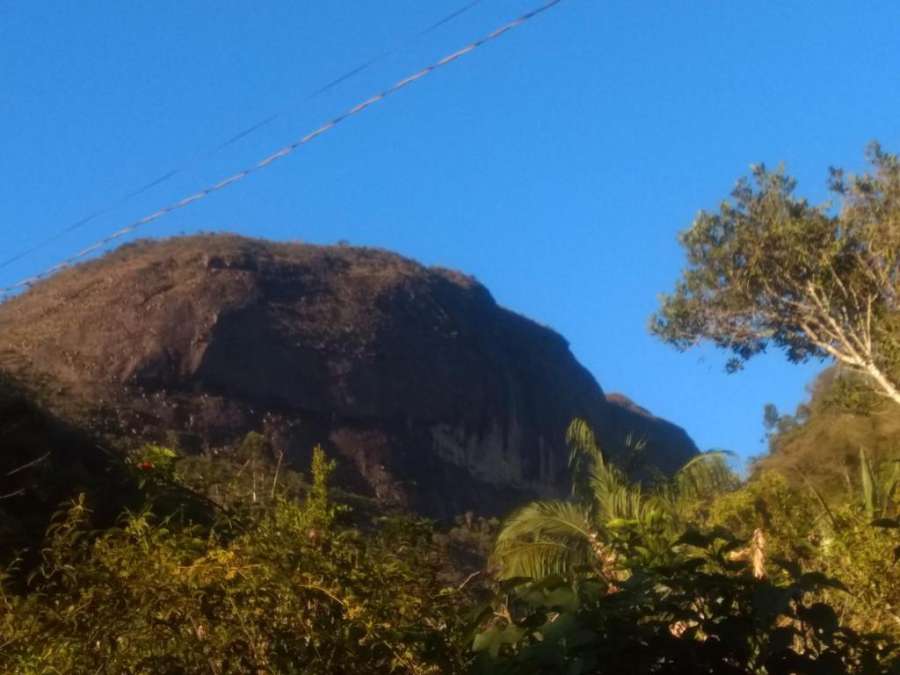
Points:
[(292, 592)]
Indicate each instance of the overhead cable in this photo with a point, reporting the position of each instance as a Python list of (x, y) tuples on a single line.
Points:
[(244, 133), (284, 151)]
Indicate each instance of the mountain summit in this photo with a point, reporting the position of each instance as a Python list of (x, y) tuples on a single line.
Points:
[(430, 394)]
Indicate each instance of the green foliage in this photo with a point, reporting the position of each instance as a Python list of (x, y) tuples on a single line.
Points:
[(618, 581), (777, 425), (236, 564), (820, 443), (848, 392), (696, 615), (248, 477), (787, 515), (156, 461), (293, 591), (544, 539), (863, 556), (319, 508), (833, 536), (858, 537), (698, 483), (771, 269), (880, 484)]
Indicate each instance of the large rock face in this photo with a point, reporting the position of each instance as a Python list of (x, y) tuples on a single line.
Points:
[(433, 395)]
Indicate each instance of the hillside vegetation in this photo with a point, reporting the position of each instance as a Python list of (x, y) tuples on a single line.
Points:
[(243, 565), (820, 442)]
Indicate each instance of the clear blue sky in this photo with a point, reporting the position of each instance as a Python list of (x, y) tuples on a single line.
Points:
[(556, 165)]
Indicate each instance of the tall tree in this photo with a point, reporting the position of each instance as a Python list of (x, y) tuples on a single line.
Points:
[(823, 281)]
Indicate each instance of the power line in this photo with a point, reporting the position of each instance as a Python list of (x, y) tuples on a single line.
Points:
[(284, 151), (168, 175)]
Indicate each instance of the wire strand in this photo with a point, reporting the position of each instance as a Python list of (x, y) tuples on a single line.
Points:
[(284, 151), (248, 131)]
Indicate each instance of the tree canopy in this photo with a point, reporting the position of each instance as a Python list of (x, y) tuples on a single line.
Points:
[(817, 281)]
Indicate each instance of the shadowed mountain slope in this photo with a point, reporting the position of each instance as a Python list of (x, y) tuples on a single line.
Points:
[(44, 463)]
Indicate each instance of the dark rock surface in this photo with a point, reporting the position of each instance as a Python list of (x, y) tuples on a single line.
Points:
[(44, 465), (431, 394)]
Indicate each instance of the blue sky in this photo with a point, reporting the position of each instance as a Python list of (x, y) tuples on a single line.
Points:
[(556, 164)]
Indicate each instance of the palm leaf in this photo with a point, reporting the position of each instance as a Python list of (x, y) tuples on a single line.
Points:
[(584, 454), (597, 481), (825, 508), (706, 475), (543, 538), (869, 485)]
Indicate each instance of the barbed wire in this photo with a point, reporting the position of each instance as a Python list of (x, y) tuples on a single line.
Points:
[(244, 133), (282, 152)]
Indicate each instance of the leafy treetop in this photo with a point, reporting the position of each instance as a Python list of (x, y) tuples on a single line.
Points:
[(769, 268)]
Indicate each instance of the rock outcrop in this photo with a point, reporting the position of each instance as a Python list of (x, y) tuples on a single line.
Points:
[(433, 395)]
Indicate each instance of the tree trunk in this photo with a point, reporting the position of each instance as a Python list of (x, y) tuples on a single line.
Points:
[(887, 387)]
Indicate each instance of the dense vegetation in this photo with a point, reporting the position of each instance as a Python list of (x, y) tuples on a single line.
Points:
[(280, 574), (819, 442), (274, 585)]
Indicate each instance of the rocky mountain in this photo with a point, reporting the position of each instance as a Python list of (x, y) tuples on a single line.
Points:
[(430, 394)]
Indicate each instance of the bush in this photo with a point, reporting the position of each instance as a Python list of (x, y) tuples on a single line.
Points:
[(704, 614), (293, 592)]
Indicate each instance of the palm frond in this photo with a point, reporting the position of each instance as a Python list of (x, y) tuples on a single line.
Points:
[(580, 439), (826, 510), (869, 485), (706, 475), (547, 519), (541, 559), (614, 496), (596, 480), (584, 453), (544, 537), (554, 537)]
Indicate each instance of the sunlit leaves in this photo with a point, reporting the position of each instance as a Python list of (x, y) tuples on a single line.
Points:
[(769, 268)]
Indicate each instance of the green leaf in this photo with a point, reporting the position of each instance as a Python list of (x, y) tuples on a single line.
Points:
[(621, 523), (565, 625), (485, 641), (562, 598), (507, 585), (869, 485)]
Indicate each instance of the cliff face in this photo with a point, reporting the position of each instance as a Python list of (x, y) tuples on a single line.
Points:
[(433, 395)]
